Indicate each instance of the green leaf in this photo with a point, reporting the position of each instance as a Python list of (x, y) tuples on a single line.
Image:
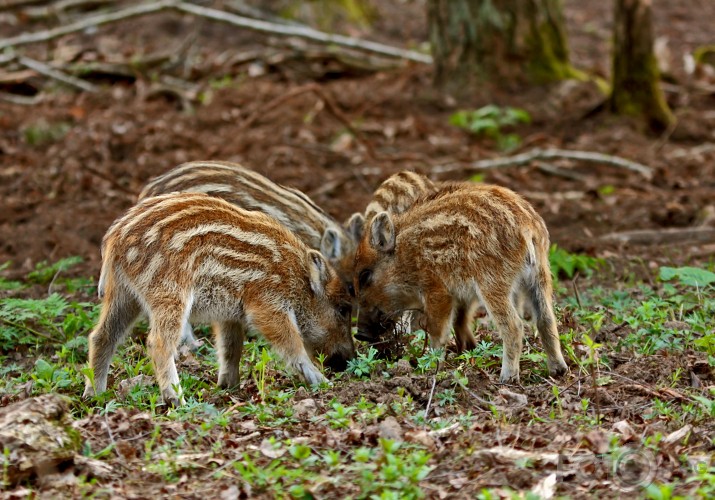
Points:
[(691, 276), (459, 119), (484, 126), (44, 370)]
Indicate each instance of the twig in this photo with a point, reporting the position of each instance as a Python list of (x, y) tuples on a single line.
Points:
[(21, 99), (241, 8), (558, 172), (548, 154), (303, 32), (86, 22), (277, 102), (14, 4), (56, 9), (46, 70), (111, 438), (670, 236), (431, 393), (24, 327), (330, 105), (594, 388), (109, 179), (575, 290)]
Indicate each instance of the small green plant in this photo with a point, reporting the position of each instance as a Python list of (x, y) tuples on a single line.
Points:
[(259, 373), (446, 398), (339, 416), (690, 276), (54, 319), (490, 121), (50, 378), (363, 364), (44, 273), (6, 284), (564, 263), (43, 132), (430, 360)]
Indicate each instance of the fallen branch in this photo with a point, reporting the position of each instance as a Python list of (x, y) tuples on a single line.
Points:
[(671, 236), (243, 9), (217, 15), (57, 9), (21, 99), (303, 32), (548, 154), (46, 70), (84, 23), (14, 4), (547, 168)]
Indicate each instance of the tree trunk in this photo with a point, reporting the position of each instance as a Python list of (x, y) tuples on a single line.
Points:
[(636, 79), (497, 40)]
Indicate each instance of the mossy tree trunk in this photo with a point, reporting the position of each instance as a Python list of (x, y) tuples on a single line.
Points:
[(497, 40), (636, 79)]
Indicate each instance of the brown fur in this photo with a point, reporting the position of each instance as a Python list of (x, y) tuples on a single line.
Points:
[(463, 243), (250, 190), (189, 257)]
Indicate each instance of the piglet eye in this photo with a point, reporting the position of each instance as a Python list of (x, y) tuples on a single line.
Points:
[(345, 310), (364, 277), (351, 289)]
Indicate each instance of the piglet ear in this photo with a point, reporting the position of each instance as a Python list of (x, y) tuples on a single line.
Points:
[(382, 233), (330, 245), (355, 226), (319, 272)]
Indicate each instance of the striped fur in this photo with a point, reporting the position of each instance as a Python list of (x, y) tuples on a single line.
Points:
[(252, 191), (186, 257), (463, 244), (398, 193)]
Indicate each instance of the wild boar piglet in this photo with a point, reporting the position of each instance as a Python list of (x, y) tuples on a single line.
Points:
[(250, 190), (463, 244), (187, 257), (394, 195)]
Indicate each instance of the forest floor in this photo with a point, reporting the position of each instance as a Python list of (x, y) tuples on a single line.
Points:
[(636, 413)]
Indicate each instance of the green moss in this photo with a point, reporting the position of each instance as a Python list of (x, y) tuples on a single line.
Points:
[(550, 57), (638, 94), (705, 55)]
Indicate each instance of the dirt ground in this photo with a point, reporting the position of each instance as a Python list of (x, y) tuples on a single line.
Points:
[(60, 191), (59, 196)]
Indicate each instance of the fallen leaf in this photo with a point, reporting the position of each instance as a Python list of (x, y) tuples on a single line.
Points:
[(598, 441), (677, 436), (271, 450), (546, 487), (390, 429)]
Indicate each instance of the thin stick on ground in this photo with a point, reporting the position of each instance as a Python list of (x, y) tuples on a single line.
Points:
[(329, 104), (21, 99), (304, 32), (547, 154), (48, 71), (86, 22), (575, 290), (431, 394), (221, 16)]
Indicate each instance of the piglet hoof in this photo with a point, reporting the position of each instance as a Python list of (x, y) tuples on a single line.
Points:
[(558, 369), (311, 374), (509, 377), (172, 399), (226, 381), (88, 392)]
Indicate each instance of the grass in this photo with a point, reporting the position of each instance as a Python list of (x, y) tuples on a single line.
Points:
[(340, 447)]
